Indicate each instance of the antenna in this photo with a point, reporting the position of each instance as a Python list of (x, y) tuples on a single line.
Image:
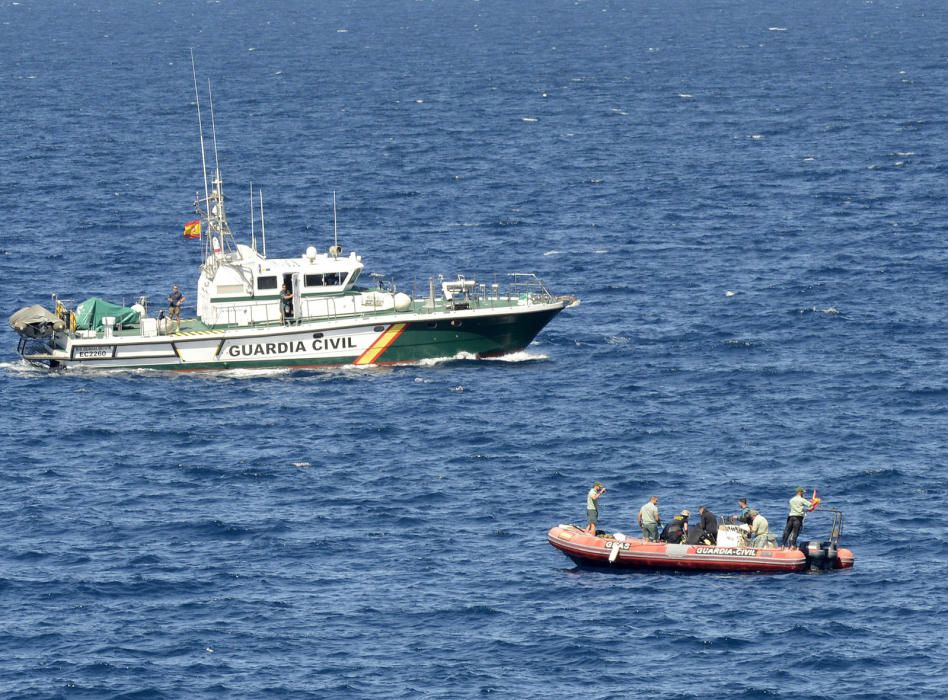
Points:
[(335, 230), (197, 101), (218, 184), (263, 227), (217, 161), (253, 239)]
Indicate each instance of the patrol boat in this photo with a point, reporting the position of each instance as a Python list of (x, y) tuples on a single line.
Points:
[(255, 311), (731, 552)]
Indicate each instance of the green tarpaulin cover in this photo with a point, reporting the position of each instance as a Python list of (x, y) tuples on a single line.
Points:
[(89, 314)]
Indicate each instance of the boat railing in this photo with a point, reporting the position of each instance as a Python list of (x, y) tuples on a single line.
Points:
[(524, 288)]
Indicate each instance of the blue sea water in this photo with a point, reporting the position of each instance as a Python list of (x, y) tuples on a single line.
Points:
[(747, 197)]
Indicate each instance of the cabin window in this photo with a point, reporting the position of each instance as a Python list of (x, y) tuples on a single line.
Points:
[(328, 279), (230, 289), (267, 282)]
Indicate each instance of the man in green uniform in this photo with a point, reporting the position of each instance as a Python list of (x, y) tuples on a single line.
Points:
[(592, 507), (649, 520), (760, 530), (798, 507)]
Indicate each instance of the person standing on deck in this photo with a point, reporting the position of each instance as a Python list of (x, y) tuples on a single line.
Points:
[(286, 304), (592, 507), (175, 301), (798, 506), (649, 520)]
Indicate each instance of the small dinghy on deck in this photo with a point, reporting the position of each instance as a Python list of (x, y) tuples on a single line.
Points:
[(730, 554)]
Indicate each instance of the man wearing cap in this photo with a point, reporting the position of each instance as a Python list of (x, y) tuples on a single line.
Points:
[(592, 507), (677, 529), (175, 300), (649, 520), (798, 506)]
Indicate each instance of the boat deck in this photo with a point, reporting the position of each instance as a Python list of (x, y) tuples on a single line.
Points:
[(422, 307)]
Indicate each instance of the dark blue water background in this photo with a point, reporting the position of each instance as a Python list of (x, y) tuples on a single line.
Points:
[(749, 198)]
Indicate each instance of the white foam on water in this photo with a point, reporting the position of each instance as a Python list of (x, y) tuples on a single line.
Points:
[(252, 373), (522, 356)]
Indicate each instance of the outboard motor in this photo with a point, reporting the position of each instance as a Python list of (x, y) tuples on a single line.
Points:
[(823, 556), (814, 553), (820, 556)]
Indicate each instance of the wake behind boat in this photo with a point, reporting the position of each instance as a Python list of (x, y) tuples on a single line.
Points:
[(306, 311)]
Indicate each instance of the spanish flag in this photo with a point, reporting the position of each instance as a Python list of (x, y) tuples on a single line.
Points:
[(815, 501), (192, 229)]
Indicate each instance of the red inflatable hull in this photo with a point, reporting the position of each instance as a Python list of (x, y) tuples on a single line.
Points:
[(633, 553)]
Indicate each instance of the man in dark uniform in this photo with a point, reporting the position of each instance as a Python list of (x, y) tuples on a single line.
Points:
[(286, 304), (709, 523), (676, 529), (175, 301)]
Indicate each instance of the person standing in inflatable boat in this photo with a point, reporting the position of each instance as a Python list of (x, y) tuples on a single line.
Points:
[(592, 506), (798, 508)]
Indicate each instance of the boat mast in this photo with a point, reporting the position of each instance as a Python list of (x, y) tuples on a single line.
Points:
[(263, 226), (335, 250), (197, 101), (220, 215), (253, 239)]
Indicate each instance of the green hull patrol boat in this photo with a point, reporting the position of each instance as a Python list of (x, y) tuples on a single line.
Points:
[(309, 311)]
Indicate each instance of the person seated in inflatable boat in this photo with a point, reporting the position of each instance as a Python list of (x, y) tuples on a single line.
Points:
[(706, 531), (760, 531), (676, 530)]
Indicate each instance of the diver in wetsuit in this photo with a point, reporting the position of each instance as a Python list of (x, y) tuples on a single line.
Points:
[(676, 529)]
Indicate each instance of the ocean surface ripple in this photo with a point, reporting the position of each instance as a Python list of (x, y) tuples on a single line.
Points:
[(748, 200)]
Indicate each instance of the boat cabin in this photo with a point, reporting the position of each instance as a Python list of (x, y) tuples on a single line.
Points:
[(243, 288)]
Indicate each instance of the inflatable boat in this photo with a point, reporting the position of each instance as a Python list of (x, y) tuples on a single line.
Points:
[(730, 553)]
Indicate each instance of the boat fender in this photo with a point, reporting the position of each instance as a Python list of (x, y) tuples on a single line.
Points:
[(402, 301), (614, 554)]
